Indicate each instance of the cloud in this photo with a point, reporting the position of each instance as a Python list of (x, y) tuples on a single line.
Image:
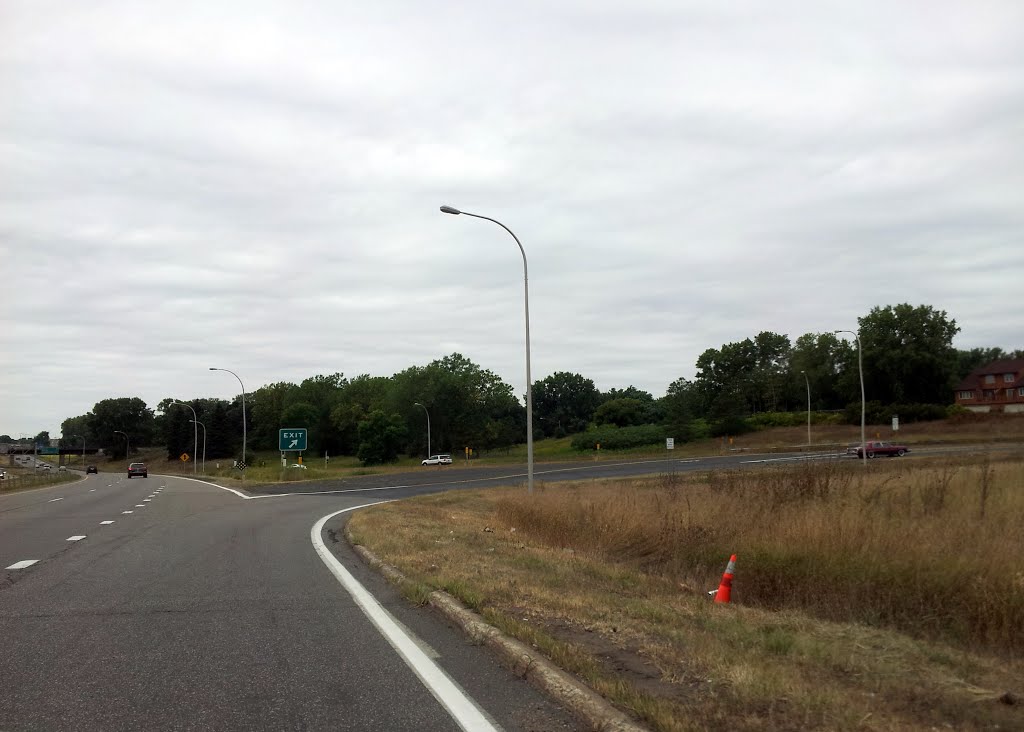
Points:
[(256, 186)]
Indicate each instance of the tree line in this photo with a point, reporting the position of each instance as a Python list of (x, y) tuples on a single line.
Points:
[(907, 354)]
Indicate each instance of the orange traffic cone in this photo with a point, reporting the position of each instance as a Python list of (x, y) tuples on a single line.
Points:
[(724, 592)]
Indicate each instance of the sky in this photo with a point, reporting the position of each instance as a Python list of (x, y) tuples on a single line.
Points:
[(256, 186)]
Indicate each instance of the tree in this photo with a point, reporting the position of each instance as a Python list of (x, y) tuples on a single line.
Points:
[(747, 376), (622, 412), (266, 405), (564, 403), (630, 392), (361, 395), (823, 357), (42, 439), (908, 354), (128, 414), (175, 427), (322, 394), (380, 438)]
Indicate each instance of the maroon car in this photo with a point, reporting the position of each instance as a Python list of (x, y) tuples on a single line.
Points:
[(879, 449)]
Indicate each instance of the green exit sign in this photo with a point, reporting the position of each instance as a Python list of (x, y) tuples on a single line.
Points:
[(292, 439)]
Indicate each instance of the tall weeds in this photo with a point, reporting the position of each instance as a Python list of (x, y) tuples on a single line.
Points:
[(934, 550)]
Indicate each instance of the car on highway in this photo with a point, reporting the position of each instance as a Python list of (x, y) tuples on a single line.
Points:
[(299, 465), (43, 466), (3, 474), (91, 469), (438, 460), (876, 448), (62, 469), (138, 469)]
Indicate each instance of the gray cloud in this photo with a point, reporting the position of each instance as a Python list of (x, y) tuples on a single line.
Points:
[(256, 185)]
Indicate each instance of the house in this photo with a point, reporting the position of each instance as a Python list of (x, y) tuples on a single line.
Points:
[(996, 387)]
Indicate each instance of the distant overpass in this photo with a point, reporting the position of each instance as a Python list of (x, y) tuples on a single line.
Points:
[(29, 449)]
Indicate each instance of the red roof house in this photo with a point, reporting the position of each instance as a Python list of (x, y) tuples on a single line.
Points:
[(995, 387)]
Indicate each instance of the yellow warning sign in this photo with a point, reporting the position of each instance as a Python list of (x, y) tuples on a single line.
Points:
[(183, 457)]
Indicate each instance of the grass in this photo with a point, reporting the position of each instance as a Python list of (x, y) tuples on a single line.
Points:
[(878, 599)]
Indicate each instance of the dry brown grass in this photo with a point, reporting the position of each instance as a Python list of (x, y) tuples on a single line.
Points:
[(610, 579), (966, 428)]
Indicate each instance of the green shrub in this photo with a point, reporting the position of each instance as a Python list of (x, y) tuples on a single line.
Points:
[(878, 413), (764, 420), (610, 437)]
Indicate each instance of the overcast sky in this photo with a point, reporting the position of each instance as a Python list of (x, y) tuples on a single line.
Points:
[(255, 185)]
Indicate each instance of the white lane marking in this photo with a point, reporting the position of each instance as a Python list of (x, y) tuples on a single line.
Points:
[(146, 500), (796, 458), (140, 505), (76, 538), (92, 490), (125, 511), (457, 703), (23, 563), (55, 499), (104, 523)]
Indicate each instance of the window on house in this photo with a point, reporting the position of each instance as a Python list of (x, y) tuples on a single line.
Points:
[(1008, 378), (990, 378), (1009, 393), (970, 394), (1020, 391)]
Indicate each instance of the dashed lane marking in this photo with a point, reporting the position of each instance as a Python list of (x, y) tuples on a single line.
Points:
[(23, 563), (55, 499), (76, 538), (126, 511), (104, 523), (140, 505)]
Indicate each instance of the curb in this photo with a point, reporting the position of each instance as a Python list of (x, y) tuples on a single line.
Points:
[(566, 689)]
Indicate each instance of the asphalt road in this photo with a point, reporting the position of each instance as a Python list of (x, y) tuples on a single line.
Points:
[(203, 610), (169, 603)]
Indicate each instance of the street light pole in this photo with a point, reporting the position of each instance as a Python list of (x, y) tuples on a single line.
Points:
[(529, 381), (127, 444), (417, 404), (808, 382), (204, 442), (863, 401), (195, 434), (243, 412)]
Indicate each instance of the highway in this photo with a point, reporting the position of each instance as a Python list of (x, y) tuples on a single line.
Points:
[(202, 610), (170, 603)]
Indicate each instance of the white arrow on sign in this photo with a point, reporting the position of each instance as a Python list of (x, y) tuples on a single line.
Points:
[(295, 443)]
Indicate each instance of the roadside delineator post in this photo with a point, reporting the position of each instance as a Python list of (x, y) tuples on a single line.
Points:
[(724, 591)]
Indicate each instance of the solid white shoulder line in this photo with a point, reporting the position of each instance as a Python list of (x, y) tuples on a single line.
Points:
[(462, 709)]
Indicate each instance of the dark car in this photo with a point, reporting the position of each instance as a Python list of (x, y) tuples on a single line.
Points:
[(91, 469), (138, 469), (879, 449)]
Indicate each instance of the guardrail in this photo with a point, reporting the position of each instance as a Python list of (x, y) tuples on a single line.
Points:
[(31, 480)]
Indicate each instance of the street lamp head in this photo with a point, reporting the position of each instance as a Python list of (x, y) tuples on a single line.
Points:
[(213, 369), (450, 210)]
